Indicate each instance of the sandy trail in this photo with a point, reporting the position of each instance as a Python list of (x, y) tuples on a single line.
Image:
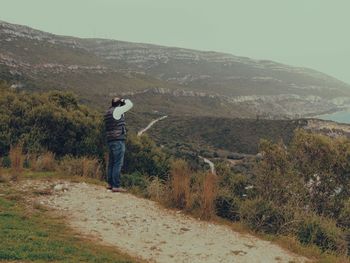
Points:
[(143, 229), (150, 125), (211, 164)]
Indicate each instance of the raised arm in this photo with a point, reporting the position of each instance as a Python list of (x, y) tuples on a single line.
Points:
[(119, 111)]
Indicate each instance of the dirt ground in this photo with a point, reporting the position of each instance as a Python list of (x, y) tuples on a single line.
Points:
[(148, 231)]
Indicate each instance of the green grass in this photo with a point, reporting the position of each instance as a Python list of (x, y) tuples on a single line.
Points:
[(34, 234), (28, 174)]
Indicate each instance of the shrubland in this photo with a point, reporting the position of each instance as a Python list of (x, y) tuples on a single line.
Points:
[(298, 189)]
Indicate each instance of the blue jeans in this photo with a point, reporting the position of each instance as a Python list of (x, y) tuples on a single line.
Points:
[(115, 162)]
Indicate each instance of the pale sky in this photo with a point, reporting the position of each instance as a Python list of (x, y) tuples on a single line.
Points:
[(310, 33)]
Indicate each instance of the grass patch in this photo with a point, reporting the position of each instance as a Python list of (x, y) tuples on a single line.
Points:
[(41, 237), (28, 174)]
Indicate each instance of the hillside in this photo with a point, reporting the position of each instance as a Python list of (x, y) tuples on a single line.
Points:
[(215, 134), (168, 77), (297, 191)]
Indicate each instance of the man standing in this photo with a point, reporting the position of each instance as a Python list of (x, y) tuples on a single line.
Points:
[(116, 135)]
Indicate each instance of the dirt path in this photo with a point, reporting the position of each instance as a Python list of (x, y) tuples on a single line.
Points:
[(150, 125), (144, 229), (211, 164)]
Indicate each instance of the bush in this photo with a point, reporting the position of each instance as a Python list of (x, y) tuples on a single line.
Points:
[(134, 180), (227, 206), (276, 178), (53, 121), (232, 190), (344, 216), (83, 166), (323, 163), (43, 163), (143, 156), (262, 215), (322, 232), (157, 190), (6, 162), (236, 184), (3, 179), (17, 159)]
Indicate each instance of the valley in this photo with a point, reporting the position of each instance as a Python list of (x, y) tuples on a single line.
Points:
[(218, 137)]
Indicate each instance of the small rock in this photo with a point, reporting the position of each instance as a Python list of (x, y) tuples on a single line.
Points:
[(60, 187)]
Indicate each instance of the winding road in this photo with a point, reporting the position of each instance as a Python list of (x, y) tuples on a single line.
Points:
[(211, 164), (150, 125)]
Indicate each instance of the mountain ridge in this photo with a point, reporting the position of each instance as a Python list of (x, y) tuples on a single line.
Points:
[(97, 68)]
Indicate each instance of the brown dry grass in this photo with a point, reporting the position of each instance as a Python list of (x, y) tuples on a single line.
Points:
[(3, 179), (208, 196), (91, 168), (193, 192), (180, 179), (85, 167), (158, 191), (45, 162), (17, 158)]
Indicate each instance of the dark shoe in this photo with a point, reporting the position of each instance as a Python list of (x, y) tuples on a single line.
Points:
[(118, 190), (109, 187)]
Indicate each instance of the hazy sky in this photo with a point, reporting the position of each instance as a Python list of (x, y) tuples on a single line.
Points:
[(311, 33)]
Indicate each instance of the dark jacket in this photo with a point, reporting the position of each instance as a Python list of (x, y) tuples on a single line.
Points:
[(115, 129)]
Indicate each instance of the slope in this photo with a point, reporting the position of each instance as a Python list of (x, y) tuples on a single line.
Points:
[(97, 69)]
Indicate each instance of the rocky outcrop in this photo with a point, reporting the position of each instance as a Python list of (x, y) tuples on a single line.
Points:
[(267, 88)]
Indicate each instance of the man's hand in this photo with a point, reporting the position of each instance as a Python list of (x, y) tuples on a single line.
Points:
[(125, 105)]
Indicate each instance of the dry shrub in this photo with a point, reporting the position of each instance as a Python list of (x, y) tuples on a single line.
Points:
[(322, 232), (17, 159), (92, 168), (157, 190), (83, 166), (263, 215), (43, 163), (3, 179), (32, 160), (191, 191), (106, 161), (208, 196), (180, 180)]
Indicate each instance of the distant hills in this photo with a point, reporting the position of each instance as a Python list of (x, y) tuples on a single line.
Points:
[(165, 80)]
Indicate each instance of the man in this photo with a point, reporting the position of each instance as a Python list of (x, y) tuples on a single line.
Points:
[(116, 135)]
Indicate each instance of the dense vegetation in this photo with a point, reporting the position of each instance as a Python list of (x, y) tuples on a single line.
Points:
[(232, 135), (55, 122), (49, 121), (299, 187)]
